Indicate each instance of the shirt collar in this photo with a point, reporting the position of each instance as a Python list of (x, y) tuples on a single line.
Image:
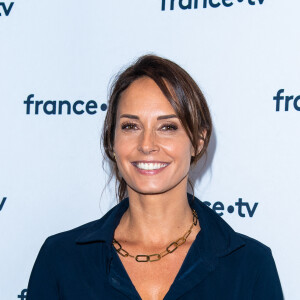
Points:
[(218, 238)]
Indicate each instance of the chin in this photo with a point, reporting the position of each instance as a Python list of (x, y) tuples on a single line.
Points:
[(150, 190)]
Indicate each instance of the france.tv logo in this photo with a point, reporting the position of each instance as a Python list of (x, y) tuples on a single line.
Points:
[(286, 102), (197, 4), (243, 208), (5, 9), (61, 107)]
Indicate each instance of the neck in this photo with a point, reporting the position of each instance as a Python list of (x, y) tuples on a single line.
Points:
[(156, 218)]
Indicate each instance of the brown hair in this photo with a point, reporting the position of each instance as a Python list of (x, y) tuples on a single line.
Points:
[(180, 90)]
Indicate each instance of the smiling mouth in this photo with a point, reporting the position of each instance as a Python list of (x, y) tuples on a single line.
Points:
[(149, 166)]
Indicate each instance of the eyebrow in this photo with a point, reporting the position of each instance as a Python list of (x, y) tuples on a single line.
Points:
[(158, 118)]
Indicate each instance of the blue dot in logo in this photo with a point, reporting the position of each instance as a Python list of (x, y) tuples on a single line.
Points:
[(103, 107), (240, 0), (230, 209)]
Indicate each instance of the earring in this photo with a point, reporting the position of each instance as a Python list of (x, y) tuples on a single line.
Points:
[(114, 155)]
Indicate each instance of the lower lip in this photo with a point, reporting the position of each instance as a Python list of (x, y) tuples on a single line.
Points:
[(150, 172)]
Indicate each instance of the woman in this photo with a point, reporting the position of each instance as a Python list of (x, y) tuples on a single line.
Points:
[(159, 242)]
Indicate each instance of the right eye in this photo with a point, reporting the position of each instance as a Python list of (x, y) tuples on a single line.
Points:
[(128, 126)]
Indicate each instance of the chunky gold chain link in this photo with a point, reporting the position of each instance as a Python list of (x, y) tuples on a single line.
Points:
[(155, 257)]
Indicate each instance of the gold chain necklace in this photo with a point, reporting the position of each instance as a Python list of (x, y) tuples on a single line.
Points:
[(155, 257)]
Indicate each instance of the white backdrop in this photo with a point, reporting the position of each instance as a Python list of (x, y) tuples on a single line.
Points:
[(241, 53)]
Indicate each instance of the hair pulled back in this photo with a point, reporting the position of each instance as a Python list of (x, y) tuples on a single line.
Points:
[(180, 90)]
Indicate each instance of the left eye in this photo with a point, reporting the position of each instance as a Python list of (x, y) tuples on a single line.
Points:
[(170, 127)]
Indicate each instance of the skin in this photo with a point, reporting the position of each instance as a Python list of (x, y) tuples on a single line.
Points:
[(159, 212)]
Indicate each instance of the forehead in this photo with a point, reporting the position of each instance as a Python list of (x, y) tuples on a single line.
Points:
[(142, 97)]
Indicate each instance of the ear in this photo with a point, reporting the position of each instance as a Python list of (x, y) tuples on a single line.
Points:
[(200, 142)]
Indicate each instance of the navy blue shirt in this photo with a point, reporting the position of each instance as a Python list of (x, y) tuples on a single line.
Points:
[(221, 264)]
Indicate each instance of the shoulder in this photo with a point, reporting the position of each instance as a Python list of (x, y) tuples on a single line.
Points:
[(68, 236), (62, 247), (255, 252), (94, 230), (220, 227), (254, 244)]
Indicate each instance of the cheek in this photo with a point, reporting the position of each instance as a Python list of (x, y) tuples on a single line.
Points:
[(123, 143), (181, 148)]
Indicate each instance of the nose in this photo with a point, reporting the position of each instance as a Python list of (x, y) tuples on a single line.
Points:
[(147, 142)]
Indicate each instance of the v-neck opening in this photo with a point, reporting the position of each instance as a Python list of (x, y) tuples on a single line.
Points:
[(181, 269), (177, 275)]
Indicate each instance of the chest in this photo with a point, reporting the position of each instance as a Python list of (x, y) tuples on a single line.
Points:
[(200, 277), (152, 280)]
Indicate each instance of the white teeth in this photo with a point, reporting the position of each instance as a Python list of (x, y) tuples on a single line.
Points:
[(150, 166)]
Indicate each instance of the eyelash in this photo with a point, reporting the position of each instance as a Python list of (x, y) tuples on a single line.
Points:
[(171, 126)]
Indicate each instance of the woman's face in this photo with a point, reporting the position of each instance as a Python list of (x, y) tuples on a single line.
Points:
[(153, 151)]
